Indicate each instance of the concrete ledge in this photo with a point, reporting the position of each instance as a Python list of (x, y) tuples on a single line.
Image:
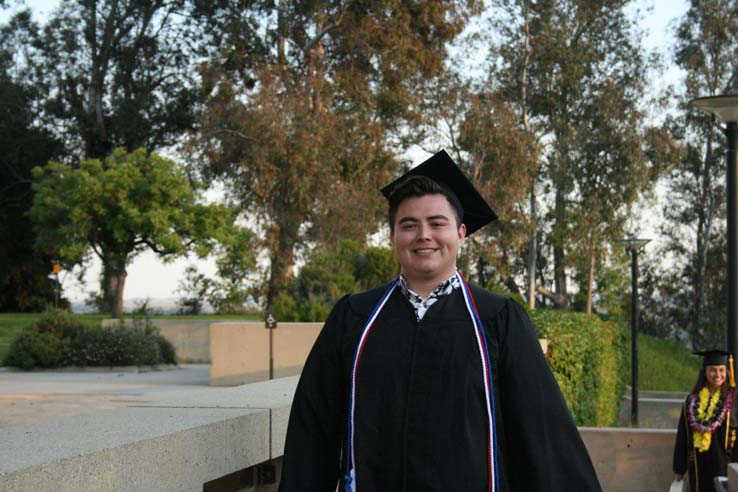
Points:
[(176, 444), (631, 460), (732, 477)]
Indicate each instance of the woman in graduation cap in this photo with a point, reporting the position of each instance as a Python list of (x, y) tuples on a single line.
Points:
[(705, 442), (429, 383)]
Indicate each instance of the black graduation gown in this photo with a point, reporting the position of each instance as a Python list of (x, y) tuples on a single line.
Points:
[(711, 463), (420, 420)]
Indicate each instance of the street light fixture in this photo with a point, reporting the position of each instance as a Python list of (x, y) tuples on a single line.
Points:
[(725, 108), (633, 247)]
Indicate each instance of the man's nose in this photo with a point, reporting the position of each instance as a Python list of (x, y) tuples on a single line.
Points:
[(424, 231)]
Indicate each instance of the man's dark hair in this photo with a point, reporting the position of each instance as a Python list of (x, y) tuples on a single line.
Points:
[(417, 186)]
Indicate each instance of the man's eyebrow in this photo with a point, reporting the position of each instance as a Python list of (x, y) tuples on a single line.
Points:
[(404, 220)]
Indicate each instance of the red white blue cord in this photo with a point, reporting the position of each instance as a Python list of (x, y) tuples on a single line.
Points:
[(350, 477), (493, 482)]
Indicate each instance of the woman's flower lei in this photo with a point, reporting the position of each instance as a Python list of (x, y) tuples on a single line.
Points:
[(701, 413)]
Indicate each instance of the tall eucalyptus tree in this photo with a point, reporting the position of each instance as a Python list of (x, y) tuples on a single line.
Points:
[(706, 47), (568, 64), (308, 103)]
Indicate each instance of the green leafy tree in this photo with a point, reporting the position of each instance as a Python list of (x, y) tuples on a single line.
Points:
[(115, 73), (233, 286), (118, 207), (112, 73), (616, 163), (24, 282), (568, 65), (706, 43), (307, 102), (329, 275), (194, 288), (236, 263)]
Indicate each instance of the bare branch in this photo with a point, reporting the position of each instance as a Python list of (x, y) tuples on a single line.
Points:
[(309, 45)]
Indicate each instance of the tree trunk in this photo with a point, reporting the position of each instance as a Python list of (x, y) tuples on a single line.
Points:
[(282, 262), (281, 30), (590, 275), (704, 229), (558, 251), (117, 285), (532, 250)]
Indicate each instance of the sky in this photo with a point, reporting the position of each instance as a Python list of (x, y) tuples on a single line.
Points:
[(150, 278)]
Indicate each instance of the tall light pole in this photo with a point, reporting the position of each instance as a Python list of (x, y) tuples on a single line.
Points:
[(725, 108), (633, 246)]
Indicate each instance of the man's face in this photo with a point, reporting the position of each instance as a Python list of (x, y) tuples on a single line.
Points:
[(426, 238)]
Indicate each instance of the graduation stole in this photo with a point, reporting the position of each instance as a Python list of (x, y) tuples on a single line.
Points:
[(481, 338)]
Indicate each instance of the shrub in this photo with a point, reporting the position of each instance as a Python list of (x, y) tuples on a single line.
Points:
[(588, 357), (62, 339), (34, 349)]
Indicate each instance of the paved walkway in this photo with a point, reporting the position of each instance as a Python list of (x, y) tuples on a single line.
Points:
[(27, 397), (656, 409)]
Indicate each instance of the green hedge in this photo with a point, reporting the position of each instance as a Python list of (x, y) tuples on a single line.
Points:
[(589, 358), (60, 339)]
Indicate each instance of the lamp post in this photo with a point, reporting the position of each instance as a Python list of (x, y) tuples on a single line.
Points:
[(633, 246), (725, 108)]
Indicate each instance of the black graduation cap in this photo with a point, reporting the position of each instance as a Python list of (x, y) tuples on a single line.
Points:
[(444, 171), (713, 357)]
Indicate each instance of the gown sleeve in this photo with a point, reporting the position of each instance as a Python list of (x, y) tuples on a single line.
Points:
[(315, 431), (680, 446), (543, 449)]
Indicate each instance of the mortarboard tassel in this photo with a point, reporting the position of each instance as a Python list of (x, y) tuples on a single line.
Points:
[(732, 374)]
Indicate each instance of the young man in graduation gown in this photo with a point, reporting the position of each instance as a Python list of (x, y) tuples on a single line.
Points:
[(706, 433), (430, 384)]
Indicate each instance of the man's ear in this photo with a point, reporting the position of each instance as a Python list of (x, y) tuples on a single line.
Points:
[(462, 231)]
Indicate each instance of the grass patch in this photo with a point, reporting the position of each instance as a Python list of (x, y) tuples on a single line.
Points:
[(664, 365)]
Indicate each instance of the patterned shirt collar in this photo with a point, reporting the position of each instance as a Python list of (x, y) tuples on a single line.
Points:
[(420, 304)]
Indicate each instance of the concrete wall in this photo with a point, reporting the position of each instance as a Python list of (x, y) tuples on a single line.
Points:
[(631, 460), (190, 337), (239, 352)]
